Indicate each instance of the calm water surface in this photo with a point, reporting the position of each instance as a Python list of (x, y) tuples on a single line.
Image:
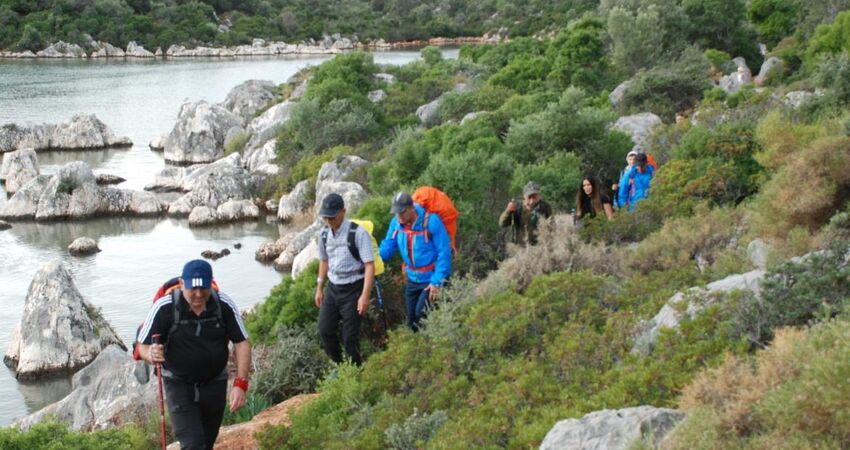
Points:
[(139, 99)]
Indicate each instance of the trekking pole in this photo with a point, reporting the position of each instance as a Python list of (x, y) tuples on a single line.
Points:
[(381, 305), (155, 340)]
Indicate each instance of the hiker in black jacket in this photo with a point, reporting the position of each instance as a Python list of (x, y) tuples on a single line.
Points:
[(195, 323)]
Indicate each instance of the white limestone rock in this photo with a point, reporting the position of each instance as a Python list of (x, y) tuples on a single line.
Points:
[(640, 127), (83, 246), (59, 330), (200, 133), (295, 202), (247, 98), (612, 429), (18, 168)]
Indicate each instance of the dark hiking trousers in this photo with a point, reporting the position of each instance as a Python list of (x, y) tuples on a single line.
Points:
[(196, 411), (340, 303), (416, 302)]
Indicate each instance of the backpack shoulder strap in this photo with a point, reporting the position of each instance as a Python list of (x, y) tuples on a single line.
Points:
[(352, 241), (176, 295), (217, 301), (324, 238)]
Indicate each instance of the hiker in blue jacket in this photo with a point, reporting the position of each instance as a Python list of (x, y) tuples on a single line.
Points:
[(423, 242), (635, 184)]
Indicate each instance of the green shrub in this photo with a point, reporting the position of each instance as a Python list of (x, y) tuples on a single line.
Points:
[(668, 89), (774, 19), (294, 365), (354, 69), (51, 434), (314, 128), (559, 178), (237, 143), (307, 168), (254, 404), (578, 56), (288, 305), (719, 59), (415, 431), (722, 24), (525, 74)]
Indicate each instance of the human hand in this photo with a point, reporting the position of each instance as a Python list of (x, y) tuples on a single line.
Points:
[(237, 399), (156, 353), (433, 292), (511, 206), (363, 304), (320, 297)]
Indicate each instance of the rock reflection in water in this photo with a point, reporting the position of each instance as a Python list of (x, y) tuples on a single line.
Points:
[(38, 394)]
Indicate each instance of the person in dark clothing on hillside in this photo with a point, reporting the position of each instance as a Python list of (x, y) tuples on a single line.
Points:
[(350, 279), (195, 324), (524, 221), (590, 201)]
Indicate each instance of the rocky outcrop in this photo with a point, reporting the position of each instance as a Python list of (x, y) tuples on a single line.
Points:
[(471, 116), (613, 429), (179, 51), (377, 96), (265, 126), (284, 262), (331, 179), (304, 258), (269, 251), (352, 193), (18, 168), (230, 211), (83, 246), (299, 91), (295, 202), (796, 99), (249, 97), (62, 50), (733, 82), (639, 127), (107, 50), (135, 50), (200, 133), (82, 131), (697, 299), (214, 184), (429, 113), (769, 67), (758, 252), (261, 159), (72, 193), (59, 330), (111, 391), (617, 96), (157, 144), (384, 78)]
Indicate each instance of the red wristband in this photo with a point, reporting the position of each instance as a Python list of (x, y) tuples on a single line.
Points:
[(241, 383)]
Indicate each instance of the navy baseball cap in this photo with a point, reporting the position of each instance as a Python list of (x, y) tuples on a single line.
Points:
[(332, 204), (197, 274)]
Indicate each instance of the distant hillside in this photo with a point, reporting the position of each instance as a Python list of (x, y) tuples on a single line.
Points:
[(34, 24)]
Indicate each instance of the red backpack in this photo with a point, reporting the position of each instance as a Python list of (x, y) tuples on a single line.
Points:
[(167, 288), (437, 202)]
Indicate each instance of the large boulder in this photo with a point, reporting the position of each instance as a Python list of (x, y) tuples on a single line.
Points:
[(304, 258), (137, 51), (265, 126), (295, 202), (261, 159), (14, 136), (284, 262), (793, 99), (18, 168), (352, 194), (249, 97), (59, 330), (62, 49), (696, 300), (769, 67), (612, 429), (617, 96), (230, 211), (200, 133), (107, 393), (82, 131), (429, 113), (72, 193), (639, 127), (384, 78), (202, 216), (339, 170), (214, 184), (269, 251), (83, 246), (85, 131), (733, 82), (377, 96), (157, 144), (107, 50)]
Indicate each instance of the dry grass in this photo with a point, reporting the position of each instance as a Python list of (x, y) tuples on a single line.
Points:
[(560, 249)]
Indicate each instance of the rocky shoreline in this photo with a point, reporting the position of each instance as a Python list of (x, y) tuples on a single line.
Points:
[(328, 45)]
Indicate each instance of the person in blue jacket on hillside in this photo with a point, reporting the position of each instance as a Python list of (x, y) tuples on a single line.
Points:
[(635, 184), (426, 253)]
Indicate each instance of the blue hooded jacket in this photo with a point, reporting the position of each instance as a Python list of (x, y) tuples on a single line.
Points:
[(638, 189), (427, 255)]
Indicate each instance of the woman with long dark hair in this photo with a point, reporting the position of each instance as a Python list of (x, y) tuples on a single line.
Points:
[(590, 200)]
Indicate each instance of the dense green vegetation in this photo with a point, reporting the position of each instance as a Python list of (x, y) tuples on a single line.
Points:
[(549, 334), (54, 435)]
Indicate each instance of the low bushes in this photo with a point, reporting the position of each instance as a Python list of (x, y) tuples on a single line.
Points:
[(52, 434)]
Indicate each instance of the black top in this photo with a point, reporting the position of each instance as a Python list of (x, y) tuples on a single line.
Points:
[(587, 207), (197, 351)]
